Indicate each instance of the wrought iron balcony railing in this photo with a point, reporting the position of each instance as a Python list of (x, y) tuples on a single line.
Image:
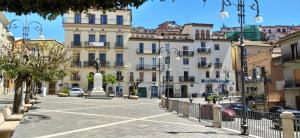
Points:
[(147, 67), (186, 79), (218, 65), (186, 53), (168, 79), (204, 50), (204, 65)]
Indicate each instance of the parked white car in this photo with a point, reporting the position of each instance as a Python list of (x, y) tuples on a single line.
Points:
[(76, 92)]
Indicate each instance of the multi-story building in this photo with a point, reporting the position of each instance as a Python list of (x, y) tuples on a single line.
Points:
[(102, 36), (205, 61), (251, 48), (5, 84), (181, 64), (291, 68), (264, 77)]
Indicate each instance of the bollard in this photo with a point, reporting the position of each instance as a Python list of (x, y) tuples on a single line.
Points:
[(287, 123), (185, 109), (217, 116), (170, 106)]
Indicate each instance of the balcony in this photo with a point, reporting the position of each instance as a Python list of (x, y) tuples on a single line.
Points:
[(170, 79), (289, 57), (76, 64), (204, 50), (96, 45), (187, 79), (120, 78), (75, 78), (104, 63), (146, 51), (76, 44), (119, 64), (218, 65), (186, 53), (147, 67), (292, 84), (119, 45), (204, 65), (89, 63)]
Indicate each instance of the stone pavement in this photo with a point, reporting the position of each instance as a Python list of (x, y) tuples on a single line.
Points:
[(93, 118)]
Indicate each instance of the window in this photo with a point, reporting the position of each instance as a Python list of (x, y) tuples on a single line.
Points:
[(197, 34), (284, 30), (141, 62), (77, 40), (153, 76), (91, 57), (119, 20), (217, 60), (119, 41), (167, 47), (153, 48), (131, 77), (203, 60), (167, 60), (202, 44), (102, 58), (102, 38), (77, 18), (141, 76), (103, 19), (119, 58), (119, 75), (217, 74), (294, 51), (217, 47), (270, 31), (278, 30), (92, 19), (154, 61), (141, 47), (185, 61), (207, 34), (207, 74), (92, 38), (185, 48)]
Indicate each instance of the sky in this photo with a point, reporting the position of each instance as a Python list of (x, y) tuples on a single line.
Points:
[(154, 12)]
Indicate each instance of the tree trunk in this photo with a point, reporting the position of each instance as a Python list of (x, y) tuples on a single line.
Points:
[(28, 90), (17, 98)]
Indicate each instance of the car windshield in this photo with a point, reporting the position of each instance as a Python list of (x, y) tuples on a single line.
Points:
[(75, 89), (288, 108)]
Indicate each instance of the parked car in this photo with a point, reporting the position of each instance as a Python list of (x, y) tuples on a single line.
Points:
[(238, 108), (279, 109), (76, 92), (228, 115)]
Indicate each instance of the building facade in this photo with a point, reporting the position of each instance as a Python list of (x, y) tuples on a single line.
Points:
[(265, 78), (291, 68), (101, 36), (5, 84), (187, 61)]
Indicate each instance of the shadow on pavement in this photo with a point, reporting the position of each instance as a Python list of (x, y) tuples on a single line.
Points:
[(33, 118), (204, 132)]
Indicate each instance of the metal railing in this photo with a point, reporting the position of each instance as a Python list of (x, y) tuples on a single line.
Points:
[(75, 78), (218, 65), (170, 79), (204, 50), (292, 83), (76, 64), (204, 65), (147, 51), (186, 79), (260, 124), (119, 45), (297, 126), (119, 64), (147, 67), (186, 53), (76, 44)]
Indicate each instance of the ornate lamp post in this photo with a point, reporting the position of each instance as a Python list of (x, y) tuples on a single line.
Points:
[(241, 14), (25, 29), (168, 51)]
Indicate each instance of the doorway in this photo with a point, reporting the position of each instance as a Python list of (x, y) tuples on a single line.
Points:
[(184, 91), (154, 91), (298, 102), (208, 88), (52, 88), (169, 91)]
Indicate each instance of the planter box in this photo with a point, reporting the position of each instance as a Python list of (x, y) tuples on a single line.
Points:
[(62, 95)]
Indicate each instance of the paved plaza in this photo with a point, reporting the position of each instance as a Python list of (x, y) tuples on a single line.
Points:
[(92, 118)]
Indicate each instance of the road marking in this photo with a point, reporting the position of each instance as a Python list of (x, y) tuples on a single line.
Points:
[(100, 126), (97, 115)]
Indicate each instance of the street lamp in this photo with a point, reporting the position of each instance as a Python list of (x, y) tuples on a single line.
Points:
[(241, 14), (168, 52), (25, 29)]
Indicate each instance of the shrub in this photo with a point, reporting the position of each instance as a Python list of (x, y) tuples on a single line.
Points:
[(133, 92), (65, 90)]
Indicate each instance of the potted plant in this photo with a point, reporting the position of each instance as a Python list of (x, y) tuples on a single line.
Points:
[(133, 90), (64, 92)]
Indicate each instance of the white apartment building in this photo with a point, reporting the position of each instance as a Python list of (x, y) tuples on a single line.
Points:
[(98, 35), (204, 65), (204, 60), (3, 41)]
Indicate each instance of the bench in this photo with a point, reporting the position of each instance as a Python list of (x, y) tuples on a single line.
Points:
[(7, 128), (8, 116)]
